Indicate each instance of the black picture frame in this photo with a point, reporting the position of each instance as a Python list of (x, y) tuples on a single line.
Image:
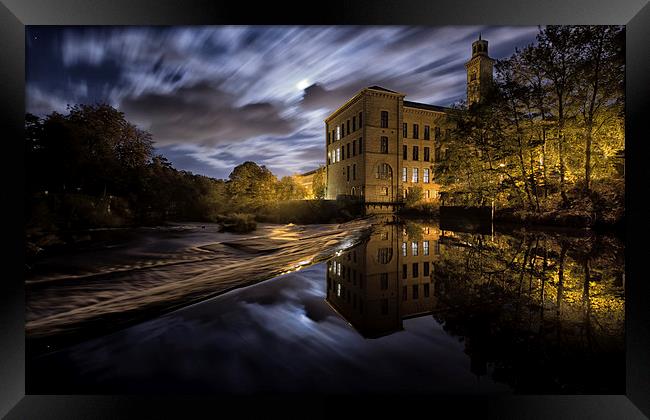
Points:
[(16, 14)]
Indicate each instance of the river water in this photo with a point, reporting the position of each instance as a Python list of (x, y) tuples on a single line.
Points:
[(408, 308)]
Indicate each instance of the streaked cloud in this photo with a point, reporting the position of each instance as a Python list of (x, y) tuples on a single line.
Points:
[(215, 96)]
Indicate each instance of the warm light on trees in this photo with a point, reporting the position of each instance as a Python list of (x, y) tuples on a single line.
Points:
[(549, 136)]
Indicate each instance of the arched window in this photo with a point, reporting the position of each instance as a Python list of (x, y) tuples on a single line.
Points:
[(384, 171), (384, 255)]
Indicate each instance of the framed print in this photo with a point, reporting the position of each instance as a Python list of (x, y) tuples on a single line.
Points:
[(435, 205)]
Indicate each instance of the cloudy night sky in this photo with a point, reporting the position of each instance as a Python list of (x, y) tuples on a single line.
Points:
[(216, 96)]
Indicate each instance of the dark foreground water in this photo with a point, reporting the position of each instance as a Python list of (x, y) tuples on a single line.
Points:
[(412, 309)]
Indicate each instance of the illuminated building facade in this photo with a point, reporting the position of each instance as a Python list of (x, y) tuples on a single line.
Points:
[(380, 146)]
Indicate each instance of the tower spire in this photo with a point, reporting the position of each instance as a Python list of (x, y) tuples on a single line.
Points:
[(479, 36)]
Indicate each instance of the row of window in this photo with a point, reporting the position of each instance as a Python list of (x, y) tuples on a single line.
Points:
[(415, 270), (415, 155), (351, 149), (383, 277), (415, 175), (344, 129), (415, 248), (345, 151), (416, 291), (427, 132)]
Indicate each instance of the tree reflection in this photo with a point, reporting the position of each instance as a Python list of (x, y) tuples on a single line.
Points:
[(543, 312)]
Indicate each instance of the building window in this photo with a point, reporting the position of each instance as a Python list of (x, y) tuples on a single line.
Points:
[(329, 139), (384, 144), (404, 174), (405, 293), (437, 247), (404, 151), (405, 130), (360, 120), (437, 133), (425, 247), (338, 154), (426, 154), (383, 171), (414, 176), (338, 133), (383, 281), (354, 123), (354, 147), (348, 171), (404, 271), (384, 255), (425, 269), (416, 153), (354, 171), (426, 290), (383, 190), (415, 291), (404, 249), (416, 131), (343, 152), (347, 151), (425, 175), (384, 119), (347, 127), (416, 270), (427, 135), (427, 194), (414, 249), (329, 155), (360, 144)]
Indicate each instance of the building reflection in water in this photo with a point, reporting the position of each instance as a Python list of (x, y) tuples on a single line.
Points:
[(542, 312), (377, 284)]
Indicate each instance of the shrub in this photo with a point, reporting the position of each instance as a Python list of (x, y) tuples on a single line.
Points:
[(239, 223)]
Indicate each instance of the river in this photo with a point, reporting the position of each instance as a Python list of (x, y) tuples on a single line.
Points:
[(393, 308)]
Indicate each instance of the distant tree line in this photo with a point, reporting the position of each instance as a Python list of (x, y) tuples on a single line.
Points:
[(91, 167), (549, 137)]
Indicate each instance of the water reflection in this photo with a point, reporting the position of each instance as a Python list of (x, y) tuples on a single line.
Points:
[(542, 312), (413, 309)]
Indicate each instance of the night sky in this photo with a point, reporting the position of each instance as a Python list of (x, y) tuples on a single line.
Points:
[(216, 96)]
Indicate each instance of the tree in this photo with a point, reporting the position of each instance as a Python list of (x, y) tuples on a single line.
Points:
[(414, 196), (564, 91), (251, 185), (600, 95), (289, 189), (319, 184), (558, 50)]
